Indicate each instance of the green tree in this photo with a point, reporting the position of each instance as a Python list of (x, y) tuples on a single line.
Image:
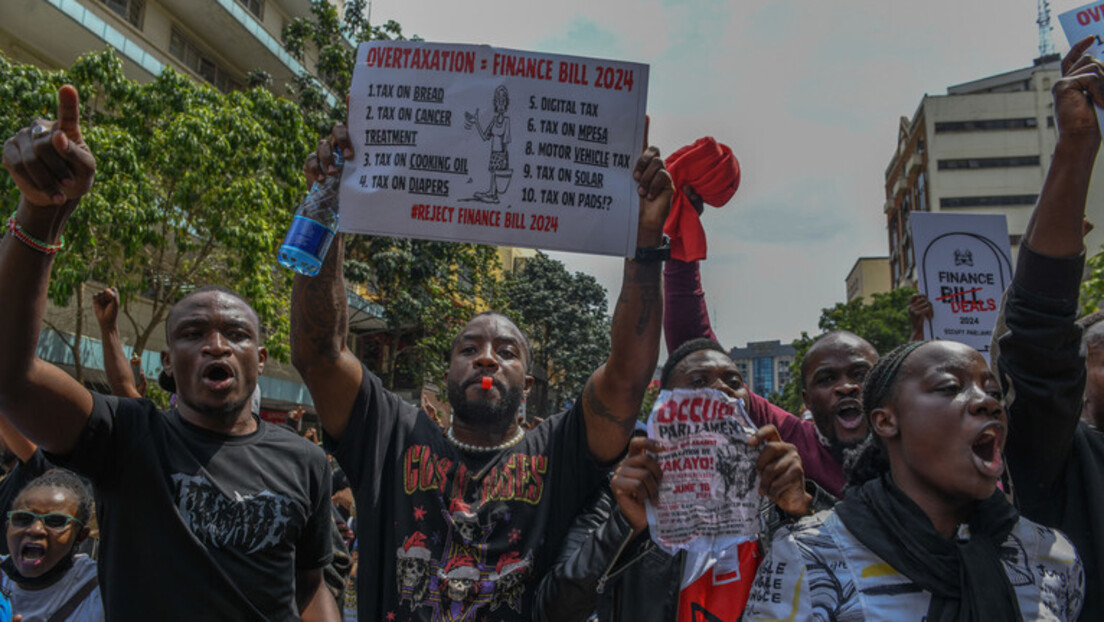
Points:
[(564, 316), (329, 39), (1092, 288), (193, 187), (883, 321), (427, 291)]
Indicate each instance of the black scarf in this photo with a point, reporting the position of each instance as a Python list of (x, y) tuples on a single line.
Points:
[(47, 578), (966, 578)]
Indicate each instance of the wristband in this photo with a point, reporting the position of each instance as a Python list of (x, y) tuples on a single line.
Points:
[(28, 239), (658, 253)]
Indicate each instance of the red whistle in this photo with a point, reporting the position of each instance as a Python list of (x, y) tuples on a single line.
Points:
[(487, 382)]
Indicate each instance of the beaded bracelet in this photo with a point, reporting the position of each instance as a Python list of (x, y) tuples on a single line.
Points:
[(32, 241)]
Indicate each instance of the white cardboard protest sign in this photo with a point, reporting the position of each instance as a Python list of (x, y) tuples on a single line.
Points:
[(473, 143), (1086, 21), (709, 494), (963, 265)]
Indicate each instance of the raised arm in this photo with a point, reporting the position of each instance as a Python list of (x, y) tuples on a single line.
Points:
[(119, 376), (16, 442), (1038, 363), (685, 315), (53, 169), (612, 397), (320, 316)]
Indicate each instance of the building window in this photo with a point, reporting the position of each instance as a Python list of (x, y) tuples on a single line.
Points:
[(192, 58), (783, 372), (130, 10), (985, 125), (764, 376), (990, 201), (256, 7), (967, 163)]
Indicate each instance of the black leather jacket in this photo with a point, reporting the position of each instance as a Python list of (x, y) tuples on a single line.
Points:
[(602, 569)]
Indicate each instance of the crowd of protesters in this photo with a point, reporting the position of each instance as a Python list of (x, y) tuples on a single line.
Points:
[(890, 501)]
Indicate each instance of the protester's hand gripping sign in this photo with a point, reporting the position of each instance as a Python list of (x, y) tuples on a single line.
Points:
[(1086, 21), (709, 494), (480, 144)]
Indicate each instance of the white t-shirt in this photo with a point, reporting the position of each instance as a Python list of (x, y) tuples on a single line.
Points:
[(39, 605)]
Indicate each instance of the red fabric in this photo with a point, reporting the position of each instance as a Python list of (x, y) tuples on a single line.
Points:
[(710, 168), (721, 598)]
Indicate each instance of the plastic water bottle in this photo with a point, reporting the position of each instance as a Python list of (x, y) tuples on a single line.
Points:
[(314, 226)]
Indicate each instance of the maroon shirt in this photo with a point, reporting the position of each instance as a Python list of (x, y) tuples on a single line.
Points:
[(685, 317)]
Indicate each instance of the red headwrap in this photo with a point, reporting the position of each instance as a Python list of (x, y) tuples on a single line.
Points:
[(714, 172)]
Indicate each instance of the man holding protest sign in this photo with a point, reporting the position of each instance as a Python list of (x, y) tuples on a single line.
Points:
[(1056, 460), (606, 567), (457, 524), (832, 371), (204, 483)]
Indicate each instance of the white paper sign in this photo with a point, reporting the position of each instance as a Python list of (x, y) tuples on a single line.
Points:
[(963, 265), (480, 144), (1084, 22), (709, 494)]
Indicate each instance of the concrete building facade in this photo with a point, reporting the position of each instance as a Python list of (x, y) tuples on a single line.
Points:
[(869, 276), (983, 148), (214, 41)]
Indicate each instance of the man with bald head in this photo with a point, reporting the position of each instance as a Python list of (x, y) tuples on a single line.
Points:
[(832, 374), (1092, 348), (458, 524), (204, 484)]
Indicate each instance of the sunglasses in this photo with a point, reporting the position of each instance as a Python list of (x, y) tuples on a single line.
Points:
[(54, 521)]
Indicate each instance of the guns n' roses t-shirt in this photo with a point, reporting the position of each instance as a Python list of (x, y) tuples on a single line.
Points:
[(447, 535)]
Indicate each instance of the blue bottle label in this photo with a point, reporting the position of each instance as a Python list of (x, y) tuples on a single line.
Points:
[(309, 236)]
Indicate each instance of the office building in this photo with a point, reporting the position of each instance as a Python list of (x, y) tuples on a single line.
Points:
[(765, 365), (983, 148)]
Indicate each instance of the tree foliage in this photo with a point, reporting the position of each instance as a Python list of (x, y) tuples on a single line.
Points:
[(1092, 288), (427, 290), (884, 322), (328, 38), (193, 187), (564, 316)]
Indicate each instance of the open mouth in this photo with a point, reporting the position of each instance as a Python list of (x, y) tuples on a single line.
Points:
[(987, 450), (218, 376), (849, 415), (32, 554)]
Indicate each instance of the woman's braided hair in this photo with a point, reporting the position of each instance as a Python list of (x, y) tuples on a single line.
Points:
[(877, 389), (882, 379)]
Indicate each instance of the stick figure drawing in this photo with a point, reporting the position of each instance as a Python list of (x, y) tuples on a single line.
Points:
[(498, 132)]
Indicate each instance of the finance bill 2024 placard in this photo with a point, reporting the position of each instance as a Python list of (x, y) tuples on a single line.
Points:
[(963, 266), (709, 493), (1086, 21), (481, 144)]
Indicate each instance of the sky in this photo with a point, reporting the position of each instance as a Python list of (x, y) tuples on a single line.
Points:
[(809, 95)]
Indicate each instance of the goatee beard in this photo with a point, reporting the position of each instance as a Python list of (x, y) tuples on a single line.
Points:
[(481, 413)]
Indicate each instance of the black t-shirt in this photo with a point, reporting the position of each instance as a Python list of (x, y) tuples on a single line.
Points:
[(11, 486), (196, 525), (446, 535)]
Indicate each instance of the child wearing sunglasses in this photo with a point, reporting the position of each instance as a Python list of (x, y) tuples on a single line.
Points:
[(45, 578)]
